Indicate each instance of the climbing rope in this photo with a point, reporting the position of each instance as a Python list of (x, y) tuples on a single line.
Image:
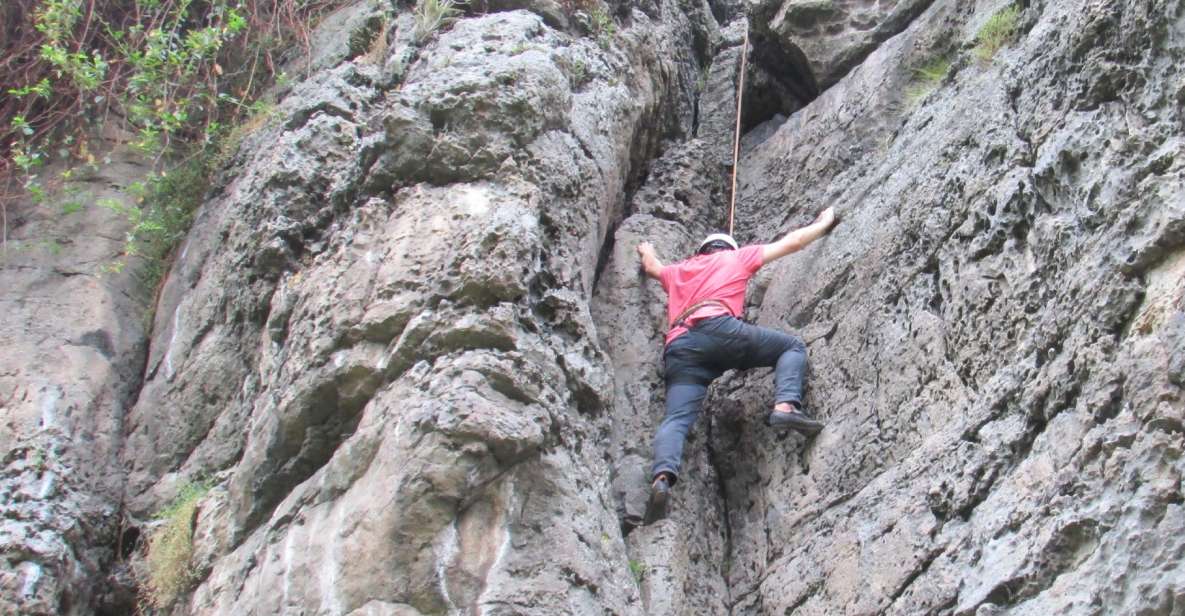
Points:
[(736, 141)]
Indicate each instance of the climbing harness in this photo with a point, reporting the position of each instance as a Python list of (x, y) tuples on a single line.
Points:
[(681, 320), (736, 141)]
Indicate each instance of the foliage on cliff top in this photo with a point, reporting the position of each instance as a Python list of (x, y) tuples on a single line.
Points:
[(170, 69)]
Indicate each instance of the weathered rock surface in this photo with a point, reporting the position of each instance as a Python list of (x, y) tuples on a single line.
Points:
[(408, 339), (73, 342), (991, 330), (380, 335), (834, 36)]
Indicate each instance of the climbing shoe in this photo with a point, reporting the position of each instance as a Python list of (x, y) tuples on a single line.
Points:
[(796, 419), (660, 497)]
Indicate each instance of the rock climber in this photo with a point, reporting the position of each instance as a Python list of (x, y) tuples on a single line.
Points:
[(705, 336)]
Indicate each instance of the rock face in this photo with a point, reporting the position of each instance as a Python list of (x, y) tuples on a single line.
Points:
[(73, 344), (380, 341), (834, 36), (1010, 264), (408, 342)]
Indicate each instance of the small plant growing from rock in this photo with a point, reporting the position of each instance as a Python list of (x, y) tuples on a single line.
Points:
[(926, 78), (432, 15), (638, 569), (579, 72), (165, 206), (701, 83), (591, 17), (167, 572), (373, 38), (603, 26), (997, 32), (362, 40)]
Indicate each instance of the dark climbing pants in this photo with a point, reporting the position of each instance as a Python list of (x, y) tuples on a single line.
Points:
[(696, 358)]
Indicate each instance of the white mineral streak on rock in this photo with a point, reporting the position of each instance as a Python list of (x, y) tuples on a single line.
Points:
[(327, 529), (508, 492), (476, 201), (288, 555), (172, 342), (32, 575), (49, 406), (47, 485), (447, 546)]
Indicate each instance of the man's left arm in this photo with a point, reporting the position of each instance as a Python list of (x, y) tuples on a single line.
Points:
[(800, 238)]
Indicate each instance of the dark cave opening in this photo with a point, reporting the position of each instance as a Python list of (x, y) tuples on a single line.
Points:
[(779, 81), (129, 540)]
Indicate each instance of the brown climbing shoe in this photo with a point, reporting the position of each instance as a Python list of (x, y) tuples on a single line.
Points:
[(660, 497), (796, 419)]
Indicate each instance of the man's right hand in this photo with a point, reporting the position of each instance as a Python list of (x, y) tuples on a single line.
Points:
[(645, 248)]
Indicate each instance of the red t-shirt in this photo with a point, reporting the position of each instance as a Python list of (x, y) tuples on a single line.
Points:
[(721, 276)]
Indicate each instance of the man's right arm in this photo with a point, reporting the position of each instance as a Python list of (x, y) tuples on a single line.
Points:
[(799, 238), (650, 263)]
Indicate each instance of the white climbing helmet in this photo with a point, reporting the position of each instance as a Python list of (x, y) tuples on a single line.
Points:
[(717, 237)]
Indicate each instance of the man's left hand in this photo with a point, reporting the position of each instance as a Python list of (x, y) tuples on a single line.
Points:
[(827, 219)]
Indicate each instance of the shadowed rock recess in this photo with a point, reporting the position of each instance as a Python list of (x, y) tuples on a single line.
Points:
[(408, 342)]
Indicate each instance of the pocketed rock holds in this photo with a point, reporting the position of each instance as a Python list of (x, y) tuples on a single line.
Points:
[(425, 373), (408, 340)]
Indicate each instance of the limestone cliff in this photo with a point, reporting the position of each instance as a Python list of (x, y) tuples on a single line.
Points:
[(408, 342)]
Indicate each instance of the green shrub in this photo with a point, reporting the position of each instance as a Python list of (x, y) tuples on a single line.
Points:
[(603, 26), (998, 31), (164, 208), (169, 548), (579, 72), (432, 15), (173, 71), (926, 79), (167, 67)]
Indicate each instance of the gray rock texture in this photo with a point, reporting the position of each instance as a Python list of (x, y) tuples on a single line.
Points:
[(408, 342), (834, 36), (73, 342), (990, 332), (379, 339)]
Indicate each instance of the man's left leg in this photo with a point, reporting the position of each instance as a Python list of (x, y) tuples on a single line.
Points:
[(688, 374), (684, 401)]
